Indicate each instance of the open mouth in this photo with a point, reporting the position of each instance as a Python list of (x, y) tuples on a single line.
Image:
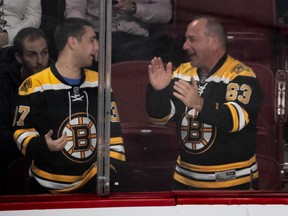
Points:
[(94, 56), (191, 56)]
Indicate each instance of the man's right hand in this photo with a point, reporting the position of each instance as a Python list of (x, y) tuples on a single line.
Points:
[(58, 144), (159, 76)]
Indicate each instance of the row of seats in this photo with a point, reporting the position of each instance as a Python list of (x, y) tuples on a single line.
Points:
[(151, 150), (235, 13), (250, 26)]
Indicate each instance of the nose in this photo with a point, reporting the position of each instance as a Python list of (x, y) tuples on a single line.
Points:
[(39, 59), (185, 45)]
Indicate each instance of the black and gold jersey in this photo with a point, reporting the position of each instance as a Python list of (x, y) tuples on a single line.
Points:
[(47, 102), (218, 144)]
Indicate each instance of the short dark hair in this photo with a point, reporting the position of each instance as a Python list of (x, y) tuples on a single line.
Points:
[(214, 27), (29, 33), (70, 27)]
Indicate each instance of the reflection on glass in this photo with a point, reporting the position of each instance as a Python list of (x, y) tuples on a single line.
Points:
[(206, 122)]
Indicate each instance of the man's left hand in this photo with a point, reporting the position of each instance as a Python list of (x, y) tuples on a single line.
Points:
[(188, 94)]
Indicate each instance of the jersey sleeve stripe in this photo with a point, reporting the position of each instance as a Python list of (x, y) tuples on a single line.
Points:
[(116, 140), (21, 138), (163, 121), (117, 156), (239, 116), (243, 116)]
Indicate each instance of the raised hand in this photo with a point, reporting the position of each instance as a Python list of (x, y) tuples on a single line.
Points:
[(159, 76)]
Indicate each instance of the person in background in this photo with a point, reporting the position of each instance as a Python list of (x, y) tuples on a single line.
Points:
[(131, 24), (215, 100), (28, 56), (15, 15), (56, 118), (52, 14)]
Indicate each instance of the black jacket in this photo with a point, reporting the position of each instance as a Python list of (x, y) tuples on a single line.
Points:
[(10, 81)]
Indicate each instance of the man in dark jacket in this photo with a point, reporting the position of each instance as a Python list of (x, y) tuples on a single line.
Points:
[(29, 55)]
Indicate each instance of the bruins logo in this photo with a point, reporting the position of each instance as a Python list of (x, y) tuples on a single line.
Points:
[(196, 137), (239, 68), (82, 137), (26, 85)]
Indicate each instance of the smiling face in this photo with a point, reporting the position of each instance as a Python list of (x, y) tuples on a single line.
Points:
[(87, 48), (198, 45)]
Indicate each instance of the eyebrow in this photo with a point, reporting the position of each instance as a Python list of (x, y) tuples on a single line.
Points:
[(190, 36), (33, 51)]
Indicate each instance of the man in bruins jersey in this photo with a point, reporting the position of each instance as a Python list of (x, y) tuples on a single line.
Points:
[(214, 99), (57, 114)]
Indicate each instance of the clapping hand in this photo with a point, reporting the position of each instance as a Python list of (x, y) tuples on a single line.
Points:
[(159, 76)]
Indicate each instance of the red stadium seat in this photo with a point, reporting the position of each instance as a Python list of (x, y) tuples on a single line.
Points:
[(252, 46), (151, 150), (269, 173), (266, 126), (236, 13)]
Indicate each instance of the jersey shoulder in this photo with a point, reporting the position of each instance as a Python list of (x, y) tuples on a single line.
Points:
[(91, 76), (233, 68), (185, 71), (39, 82)]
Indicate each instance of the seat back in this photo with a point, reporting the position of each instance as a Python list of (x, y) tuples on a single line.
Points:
[(269, 173), (236, 13), (151, 150), (266, 126), (253, 46), (129, 80)]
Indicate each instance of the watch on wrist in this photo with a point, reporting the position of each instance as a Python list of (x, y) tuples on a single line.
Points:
[(133, 9)]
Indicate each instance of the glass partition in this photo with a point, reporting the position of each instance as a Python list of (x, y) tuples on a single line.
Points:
[(173, 142)]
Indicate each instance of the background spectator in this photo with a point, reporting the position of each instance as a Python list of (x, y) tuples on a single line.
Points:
[(29, 55), (52, 14), (131, 24), (15, 15)]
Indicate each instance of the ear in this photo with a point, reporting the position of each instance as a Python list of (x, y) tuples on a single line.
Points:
[(19, 58), (214, 42), (72, 41)]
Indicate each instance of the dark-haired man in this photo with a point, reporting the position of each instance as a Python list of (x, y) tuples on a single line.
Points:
[(29, 55), (57, 113)]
